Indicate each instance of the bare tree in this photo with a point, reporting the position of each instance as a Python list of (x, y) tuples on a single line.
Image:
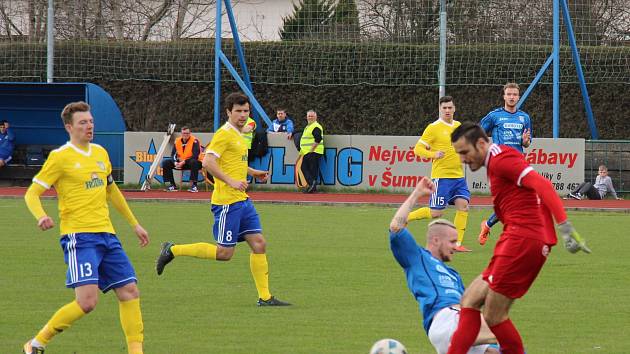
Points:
[(155, 18), (410, 21), (117, 20), (9, 26), (182, 9)]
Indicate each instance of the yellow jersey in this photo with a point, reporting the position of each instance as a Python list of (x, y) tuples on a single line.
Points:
[(230, 148), (437, 137), (80, 179)]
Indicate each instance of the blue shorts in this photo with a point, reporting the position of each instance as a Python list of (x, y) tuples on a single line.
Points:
[(96, 258), (233, 222), (447, 190)]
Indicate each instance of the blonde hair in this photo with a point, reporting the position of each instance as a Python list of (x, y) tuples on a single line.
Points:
[(441, 222), (435, 223), (513, 85)]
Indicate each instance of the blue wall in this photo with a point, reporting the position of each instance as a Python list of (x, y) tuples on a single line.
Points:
[(34, 112)]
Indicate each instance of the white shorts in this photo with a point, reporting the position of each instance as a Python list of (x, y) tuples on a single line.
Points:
[(442, 328)]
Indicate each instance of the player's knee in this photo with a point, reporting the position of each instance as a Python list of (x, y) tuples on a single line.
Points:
[(224, 253), (491, 350), (128, 292), (436, 213), (87, 304), (493, 318), (260, 246)]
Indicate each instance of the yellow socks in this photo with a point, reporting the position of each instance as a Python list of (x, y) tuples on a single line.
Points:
[(131, 321), (60, 321), (461, 218), (198, 250), (260, 270), (422, 213)]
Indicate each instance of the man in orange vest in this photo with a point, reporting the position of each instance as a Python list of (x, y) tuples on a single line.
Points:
[(185, 156)]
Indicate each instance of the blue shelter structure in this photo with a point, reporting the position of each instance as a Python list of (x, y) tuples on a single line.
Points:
[(34, 111)]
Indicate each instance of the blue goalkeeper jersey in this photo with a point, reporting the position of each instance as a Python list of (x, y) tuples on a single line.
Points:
[(507, 128), (434, 284)]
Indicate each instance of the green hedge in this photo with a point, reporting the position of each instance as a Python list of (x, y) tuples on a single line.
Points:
[(308, 63)]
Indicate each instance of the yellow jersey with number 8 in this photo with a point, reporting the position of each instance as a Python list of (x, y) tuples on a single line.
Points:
[(230, 148)]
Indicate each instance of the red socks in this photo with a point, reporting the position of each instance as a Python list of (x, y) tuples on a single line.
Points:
[(467, 331), (508, 338)]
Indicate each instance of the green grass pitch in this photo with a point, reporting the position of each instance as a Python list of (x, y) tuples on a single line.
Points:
[(333, 263)]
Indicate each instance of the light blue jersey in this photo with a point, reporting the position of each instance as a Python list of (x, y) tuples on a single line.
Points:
[(507, 128), (434, 284)]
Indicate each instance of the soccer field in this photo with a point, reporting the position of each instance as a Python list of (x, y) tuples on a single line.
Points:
[(332, 263)]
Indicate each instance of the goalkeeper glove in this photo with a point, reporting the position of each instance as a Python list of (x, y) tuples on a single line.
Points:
[(573, 242)]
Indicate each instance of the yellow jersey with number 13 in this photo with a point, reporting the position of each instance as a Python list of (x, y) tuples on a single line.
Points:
[(80, 179)]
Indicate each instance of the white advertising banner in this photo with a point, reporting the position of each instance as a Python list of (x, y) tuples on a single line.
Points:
[(384, 163)]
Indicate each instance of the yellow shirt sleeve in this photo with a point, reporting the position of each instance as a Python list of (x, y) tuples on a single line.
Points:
[(33, 203), (423, 145), (219, 143), (50, 172), (119, 202)]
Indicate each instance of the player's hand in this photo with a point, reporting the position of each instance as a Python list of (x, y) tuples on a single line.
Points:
[(438, 155), (142, 234), (527, 136), (240, 185), (45, 223), (425, 187), (573, 242), (260, 175)]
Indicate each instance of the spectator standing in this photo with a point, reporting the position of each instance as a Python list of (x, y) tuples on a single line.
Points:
[(282, 124), (312, 149)]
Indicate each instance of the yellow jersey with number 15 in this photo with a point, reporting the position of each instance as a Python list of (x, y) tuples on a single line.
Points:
[(230, 148), (437, 137), (80, 179)]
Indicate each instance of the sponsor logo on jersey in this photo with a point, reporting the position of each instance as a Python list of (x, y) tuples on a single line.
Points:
[(513, 126), (95, 182)]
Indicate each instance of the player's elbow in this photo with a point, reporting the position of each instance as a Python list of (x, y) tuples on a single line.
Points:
[(421, 151), (209, 163), (33, 192)]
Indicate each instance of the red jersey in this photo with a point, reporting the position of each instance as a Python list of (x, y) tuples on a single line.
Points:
[(517, 207)]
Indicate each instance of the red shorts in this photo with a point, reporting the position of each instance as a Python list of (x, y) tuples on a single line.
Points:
[(515, 264)]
